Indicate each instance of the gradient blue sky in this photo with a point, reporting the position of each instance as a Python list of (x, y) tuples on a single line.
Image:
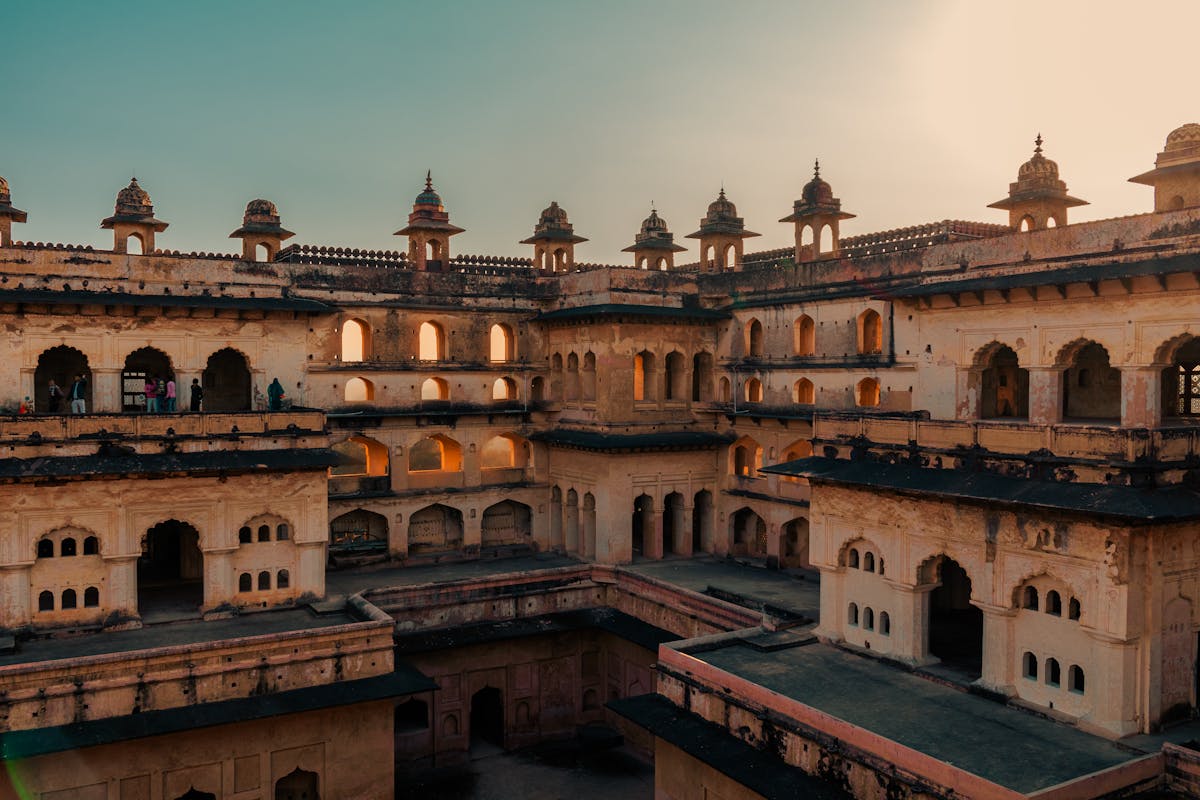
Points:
[(918, 110)]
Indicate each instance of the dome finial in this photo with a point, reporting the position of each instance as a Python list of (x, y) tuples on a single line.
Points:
[(1037, 145), (429, 180), (816, 168)]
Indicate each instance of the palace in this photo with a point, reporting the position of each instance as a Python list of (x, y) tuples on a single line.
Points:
[(430, 499)]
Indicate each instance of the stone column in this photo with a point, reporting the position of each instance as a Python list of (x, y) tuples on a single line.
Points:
[(15, 601), (106, 391), (998, 657), (310, 569), (1045, 395), (220, 584), (121, 592), (1141, 397), (652, 533), (683, 539), (720, 532), (472, 531), (829, 626), (1113, 668), (398, 535), (572, 527), (774, 546), (183, 388), (968, 385), (910, 623)]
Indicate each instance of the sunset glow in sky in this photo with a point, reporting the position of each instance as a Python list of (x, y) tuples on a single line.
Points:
[(919, 111)]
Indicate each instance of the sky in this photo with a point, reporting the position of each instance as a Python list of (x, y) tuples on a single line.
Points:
[(918, 111)]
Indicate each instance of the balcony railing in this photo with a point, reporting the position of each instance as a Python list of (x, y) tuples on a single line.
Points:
[(65, 427)]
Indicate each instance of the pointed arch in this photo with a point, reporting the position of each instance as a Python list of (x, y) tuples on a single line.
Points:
[(501, 343), (227, 381), (356, 341), (804, 336), (804, 393), (60, 364), (870, 333), (435, 453), (431, 341)]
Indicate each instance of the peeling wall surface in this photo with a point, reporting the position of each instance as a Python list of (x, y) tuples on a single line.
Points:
[(983, 438)]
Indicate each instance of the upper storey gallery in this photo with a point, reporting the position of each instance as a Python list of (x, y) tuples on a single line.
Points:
[(1037, 200)]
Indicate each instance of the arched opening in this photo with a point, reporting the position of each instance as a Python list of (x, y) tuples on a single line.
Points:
[(673, 541), (144, 369), (643, 523), (227, 381), (589, 376), (504, 452), (867, 393), (501, 344), (358, 530), (435, 453), (1051, 222), (356, 341), (359, 390), (643, 376), (264, 581), (702, 377), (91, 546), (1181, 382), (68, 547), (1091, 386), (730, 256), (754, 390), (504, 389), (410, 716), (1027, 223), (134, 245), (571, 391), (61, 366), (69, 599), (1005, 386), (46, 601), (754, 339), (537, 390), (487, 721), (870, 333), (506, 523), (826, 244), (795, 544), (748, 534), (1175, 203), (1029, 666), (1053, 673), (45, 548), (804, 336), (245, 582), (885, 624), (747, 457), (360, 456), (702, 522), (661, 264), (726, 391), (588, 526), (91, 597), (571, 523), (674, 376), (435, 389), (170, 570), (262, 252), (955, 626), (434, 529), (1075, 680), (431, 342), (556, 519), (299, 784), (804, 393)]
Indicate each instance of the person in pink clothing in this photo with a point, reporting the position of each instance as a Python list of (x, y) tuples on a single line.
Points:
[(151, 395), (171, 395)]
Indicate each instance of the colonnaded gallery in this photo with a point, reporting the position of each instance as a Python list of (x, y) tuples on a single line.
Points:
[(909, 514)]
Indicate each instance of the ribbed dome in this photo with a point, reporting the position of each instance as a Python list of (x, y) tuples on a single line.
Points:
[(261, 208), (428, 197), (817, 192), (133, 199), (553, 213), (1039, 166), (1183, 137), (654, 223), (721, 206), (4, 195)]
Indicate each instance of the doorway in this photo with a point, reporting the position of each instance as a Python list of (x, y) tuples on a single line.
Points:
[(955, 625), (487, 722), (171, 569)]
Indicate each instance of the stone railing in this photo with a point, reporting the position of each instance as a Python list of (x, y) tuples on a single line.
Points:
[(948, 230), (66, 427)]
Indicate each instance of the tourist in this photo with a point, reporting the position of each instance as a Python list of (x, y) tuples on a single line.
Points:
[(24, 408), (78, 395), (197, 394), (171, 394), (275, 395), (160, 392), (54, 397), (151, 390)]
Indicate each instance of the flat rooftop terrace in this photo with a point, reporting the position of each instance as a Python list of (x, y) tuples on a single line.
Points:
[(1015, 749)]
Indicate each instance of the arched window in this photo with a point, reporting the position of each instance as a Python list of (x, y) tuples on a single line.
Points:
[(674, 376), (504, 389), (45, 548), (245, 535), (746, 457), (1075, 679), (754, 390), (869, 562), (500, 452), (725, 393), (852, 614), (435, 453), (67, 548), (1091, 386), (571, 388), (91, 597), (1030, 598), (264, 581), (1073, 609), (1004, 385), (501, 344), (804, 336), (46, 601), (91, 546), (702, 375), (885, 623), (69, 599), (359, 390), (537, 389), (355, 341), (245, 582), (435, 389), (282, 532), (431, 342), (1029, 666), (643, 376), (282, 579), (803, 393), (852, 558), (754, 339), (1053, 603), (868, 392), (264, 533), (589, 376), (868, 622), (870, 333), (1053, 672)]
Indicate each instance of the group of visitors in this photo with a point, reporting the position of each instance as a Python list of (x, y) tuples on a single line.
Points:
[(77, 395), (161, 396)]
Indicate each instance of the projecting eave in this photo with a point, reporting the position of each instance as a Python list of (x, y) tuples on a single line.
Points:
[(254, 229), (15, 214), (553, 236), (1009, 202), (658, 244), (438, 227), (719, 230), (111, 222), (1126, 504), (1151, 177), (798, 216)]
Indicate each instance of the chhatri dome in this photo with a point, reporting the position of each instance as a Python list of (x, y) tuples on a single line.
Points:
[(1176, 173), (428, 197), (1038, 198), (654, 246), (817, 192)]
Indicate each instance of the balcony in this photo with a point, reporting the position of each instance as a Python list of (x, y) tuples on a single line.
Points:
[(67, 427)]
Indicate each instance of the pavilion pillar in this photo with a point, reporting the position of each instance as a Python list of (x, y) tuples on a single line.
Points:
[(1045, 395), (1141, 397)]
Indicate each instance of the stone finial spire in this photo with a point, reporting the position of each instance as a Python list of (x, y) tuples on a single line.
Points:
[(1037, 145)]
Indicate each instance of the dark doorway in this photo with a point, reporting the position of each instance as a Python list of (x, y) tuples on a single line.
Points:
[(701, 520), (299, 784), (170, 569), (60, 364), (672, 522), (195, 794), (642, 521), (487, 718), (955, 626), (226, 382), (146, 362)]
